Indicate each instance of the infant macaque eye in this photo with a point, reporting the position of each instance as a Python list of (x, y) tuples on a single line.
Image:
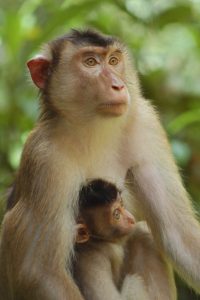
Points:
[(116, 214)]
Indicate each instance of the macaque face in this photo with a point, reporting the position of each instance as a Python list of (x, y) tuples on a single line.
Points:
[(97, 74), (103, 81), (88, 80), (121, 220), (107, 222)]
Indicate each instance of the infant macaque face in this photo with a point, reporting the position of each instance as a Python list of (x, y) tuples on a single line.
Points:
[(120, 218), (102, 213)]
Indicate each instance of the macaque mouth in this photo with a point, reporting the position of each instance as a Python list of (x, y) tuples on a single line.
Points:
[(108, 104), (113, 107)]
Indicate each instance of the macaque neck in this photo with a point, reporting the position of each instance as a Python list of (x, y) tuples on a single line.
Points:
[(99, 140), (96, 135), (95, 238)]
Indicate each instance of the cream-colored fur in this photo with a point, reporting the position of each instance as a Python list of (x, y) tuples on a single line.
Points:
[(73, 143), (124, 270), (134, 288)]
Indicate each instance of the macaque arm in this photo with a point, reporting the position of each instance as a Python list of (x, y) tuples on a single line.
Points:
[(147, 263), (51, 287), (94, 277), (101, 287), (39, 229), (163, 199), (134, 288)]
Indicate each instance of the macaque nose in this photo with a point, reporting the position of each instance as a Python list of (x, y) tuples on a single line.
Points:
[(130, 218), (118, 86), (116, 83), (131, 221)]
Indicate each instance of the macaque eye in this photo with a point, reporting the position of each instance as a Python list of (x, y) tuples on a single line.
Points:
[(116, 214), (90, 62), (113, 61)]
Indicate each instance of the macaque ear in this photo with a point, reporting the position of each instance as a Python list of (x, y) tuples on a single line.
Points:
[(82, 235), (39, 69)]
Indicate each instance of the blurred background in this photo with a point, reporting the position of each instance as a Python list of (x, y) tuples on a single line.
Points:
[(164, 37)]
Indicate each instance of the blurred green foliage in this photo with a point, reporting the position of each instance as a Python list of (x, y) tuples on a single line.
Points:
[(164, 37)]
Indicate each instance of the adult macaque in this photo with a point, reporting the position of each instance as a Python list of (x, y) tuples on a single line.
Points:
[(108, 248), (94, 123)]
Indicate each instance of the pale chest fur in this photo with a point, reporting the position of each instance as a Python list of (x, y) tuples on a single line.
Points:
[(98, 154), (116, 259)]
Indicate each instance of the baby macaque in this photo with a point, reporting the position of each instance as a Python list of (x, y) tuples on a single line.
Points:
[(103, 215), (102, 231)]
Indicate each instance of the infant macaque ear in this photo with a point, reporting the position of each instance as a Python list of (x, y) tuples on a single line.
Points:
[(82, 235), (39, 69)]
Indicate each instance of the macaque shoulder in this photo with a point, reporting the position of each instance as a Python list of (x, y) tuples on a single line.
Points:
[(42, 146), (144, 135), (37, 149), (92, 255), (43, 159)]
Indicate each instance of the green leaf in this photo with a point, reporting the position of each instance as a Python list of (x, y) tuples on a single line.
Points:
[(176, 14), (183, 121)]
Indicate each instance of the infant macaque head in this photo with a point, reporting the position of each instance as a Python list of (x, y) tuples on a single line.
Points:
[(102, 213)]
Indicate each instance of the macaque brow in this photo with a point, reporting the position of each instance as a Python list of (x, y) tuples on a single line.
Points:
[(118, 51), (87, 51), (90, 37)]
